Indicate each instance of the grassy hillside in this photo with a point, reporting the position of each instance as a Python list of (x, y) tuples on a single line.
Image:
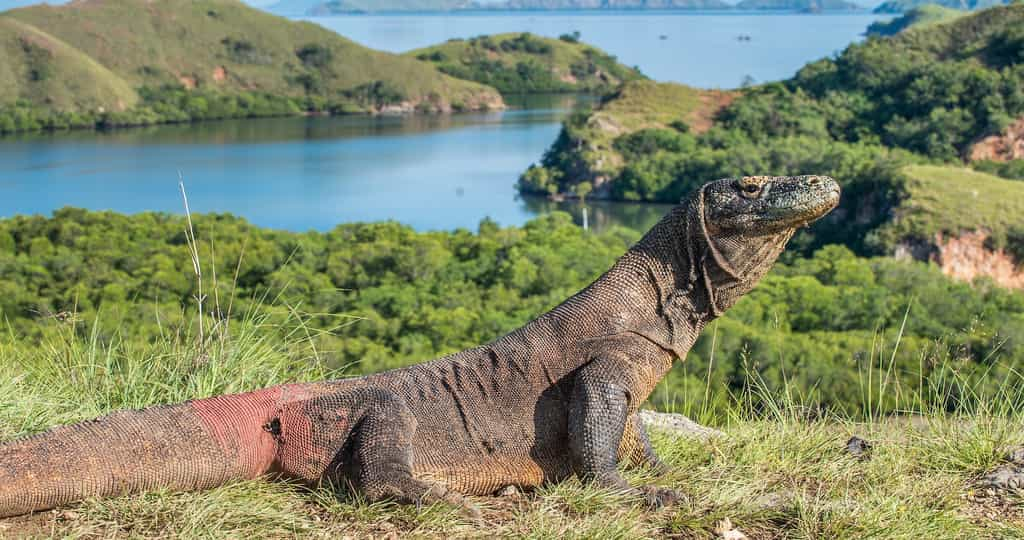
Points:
[(98, 314), (585, 150), (952, 199), (924, 95), (226, 48), (37, 67), (917, 16), (524, 63)]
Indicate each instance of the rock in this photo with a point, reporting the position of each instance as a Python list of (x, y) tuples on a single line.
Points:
[(677, 424), (1001, 147), (1008, 476), (726, 531), (510, 492), (858, 448)]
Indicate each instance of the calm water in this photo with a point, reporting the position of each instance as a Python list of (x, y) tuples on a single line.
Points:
[(699, 49), (435, 172), (431, 172)]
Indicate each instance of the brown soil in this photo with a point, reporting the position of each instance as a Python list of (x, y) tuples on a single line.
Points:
[(711, 101), (1002, 147)]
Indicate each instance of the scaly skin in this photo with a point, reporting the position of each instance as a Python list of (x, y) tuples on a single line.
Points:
[(554, 398)]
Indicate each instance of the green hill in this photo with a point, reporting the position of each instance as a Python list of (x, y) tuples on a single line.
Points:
[(917, 16), (901, 6), (35, 66), (926, 94), (225, 48), (952, 200), (524, 63)]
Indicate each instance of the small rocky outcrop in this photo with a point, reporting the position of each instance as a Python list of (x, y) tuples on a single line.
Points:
[(678, 425), (965, 257), (1002, 147), (1009, 475)]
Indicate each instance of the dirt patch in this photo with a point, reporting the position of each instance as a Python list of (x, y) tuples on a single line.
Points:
[(37, 525), (711, 101), (966, 257), (1003, 147)]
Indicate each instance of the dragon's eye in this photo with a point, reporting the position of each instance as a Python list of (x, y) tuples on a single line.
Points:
[(750, 190)]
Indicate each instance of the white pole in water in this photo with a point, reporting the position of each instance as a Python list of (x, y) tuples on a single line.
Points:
[(585, 224)]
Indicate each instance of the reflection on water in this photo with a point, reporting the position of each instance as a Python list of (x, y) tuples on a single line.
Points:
[(431, 172), (602, 215), (522, 110)]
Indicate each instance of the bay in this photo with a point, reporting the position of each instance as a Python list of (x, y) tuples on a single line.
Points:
[(701, 49), (430, 172)]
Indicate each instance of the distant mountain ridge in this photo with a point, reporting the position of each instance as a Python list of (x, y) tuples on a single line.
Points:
[(340, 7)]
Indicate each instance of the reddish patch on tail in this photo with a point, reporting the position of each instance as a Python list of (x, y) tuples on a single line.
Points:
[(236, 423)]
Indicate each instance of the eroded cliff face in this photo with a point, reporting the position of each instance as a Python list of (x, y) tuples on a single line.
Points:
[(966, 257), (1003, 147)]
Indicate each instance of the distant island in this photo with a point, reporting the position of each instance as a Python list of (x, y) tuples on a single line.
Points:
[(343, 7), (525, 63), (108, 63), (901, 6), (914, 18)]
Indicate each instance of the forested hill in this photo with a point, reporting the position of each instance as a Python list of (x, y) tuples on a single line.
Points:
[(116, 62), (917, 16), (926, 95), (525, 63)]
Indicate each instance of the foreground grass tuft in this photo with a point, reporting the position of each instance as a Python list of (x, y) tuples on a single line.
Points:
[(776, 474)]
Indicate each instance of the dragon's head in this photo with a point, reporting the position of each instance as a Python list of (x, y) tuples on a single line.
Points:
[(746, 222), (766, 205)]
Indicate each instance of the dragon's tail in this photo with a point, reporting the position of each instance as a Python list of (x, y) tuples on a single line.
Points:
[(190, 446)]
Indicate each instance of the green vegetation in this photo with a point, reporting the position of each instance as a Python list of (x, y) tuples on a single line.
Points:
[(99, 314), (924, 95), (950, 200), (239, 60), (525, 63), (378, 296), (1013, 169), (919, 16), (901, 6)]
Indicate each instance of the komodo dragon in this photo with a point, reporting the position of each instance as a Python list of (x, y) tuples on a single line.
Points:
[(555, 397)]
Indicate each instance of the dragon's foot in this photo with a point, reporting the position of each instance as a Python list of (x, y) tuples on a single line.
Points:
[(440, 494), (658, 497)]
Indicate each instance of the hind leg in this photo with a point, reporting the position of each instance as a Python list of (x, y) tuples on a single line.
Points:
[(362, 437), (383, 457)]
